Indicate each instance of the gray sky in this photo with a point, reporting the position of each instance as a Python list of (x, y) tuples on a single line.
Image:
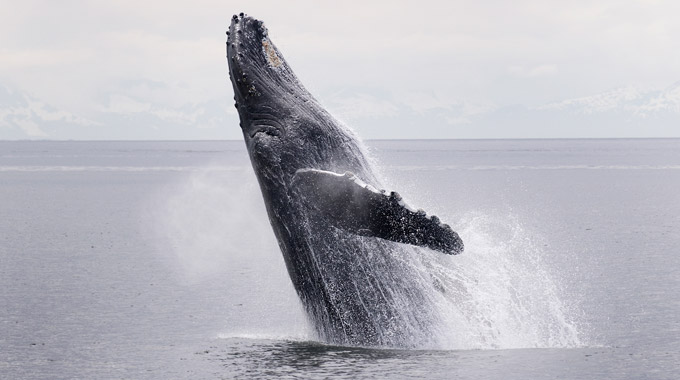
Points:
[(390, 69)]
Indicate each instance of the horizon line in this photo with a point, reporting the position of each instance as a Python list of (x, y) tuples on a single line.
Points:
[(369, 139)]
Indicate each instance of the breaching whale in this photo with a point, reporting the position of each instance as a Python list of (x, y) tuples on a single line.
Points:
[(345, 243)]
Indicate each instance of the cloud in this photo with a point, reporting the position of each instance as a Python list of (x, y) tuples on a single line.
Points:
[(457, 120), (622, 112), (22, 59), (602, 102), (122, 117), (126, 105), (163, 61), (666, 101), (363, 106), (421, 101), (533, 72), (22, 112), (29, 127), (624, 100)]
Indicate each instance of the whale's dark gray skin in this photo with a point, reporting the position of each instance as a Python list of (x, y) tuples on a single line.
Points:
[(343, 241)]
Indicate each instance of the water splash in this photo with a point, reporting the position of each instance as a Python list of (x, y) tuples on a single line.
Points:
[(499, 294)]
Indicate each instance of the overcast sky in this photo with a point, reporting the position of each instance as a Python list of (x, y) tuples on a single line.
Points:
[(390, 69)]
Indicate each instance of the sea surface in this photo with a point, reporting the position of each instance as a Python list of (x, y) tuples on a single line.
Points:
[(155, 260)]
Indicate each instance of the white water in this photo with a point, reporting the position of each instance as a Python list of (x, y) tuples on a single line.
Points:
[(500, 294)]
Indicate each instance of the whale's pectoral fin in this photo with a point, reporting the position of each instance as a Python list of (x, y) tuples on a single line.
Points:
[(348, 203)]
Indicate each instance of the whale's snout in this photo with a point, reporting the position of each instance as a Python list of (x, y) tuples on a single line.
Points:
[(253, 63), (261, 78)]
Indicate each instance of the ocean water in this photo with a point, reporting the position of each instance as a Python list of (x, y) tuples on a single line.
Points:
[(155, 260)]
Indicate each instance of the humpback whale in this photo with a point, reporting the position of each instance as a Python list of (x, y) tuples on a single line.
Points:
[(345, 242)]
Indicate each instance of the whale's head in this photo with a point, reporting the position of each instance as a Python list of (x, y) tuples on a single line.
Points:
[(284, 127)]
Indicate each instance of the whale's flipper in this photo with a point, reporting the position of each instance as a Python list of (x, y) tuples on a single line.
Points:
[(349, 204)]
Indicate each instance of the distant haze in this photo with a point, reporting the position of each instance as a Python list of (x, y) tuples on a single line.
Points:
[(96, 70)]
